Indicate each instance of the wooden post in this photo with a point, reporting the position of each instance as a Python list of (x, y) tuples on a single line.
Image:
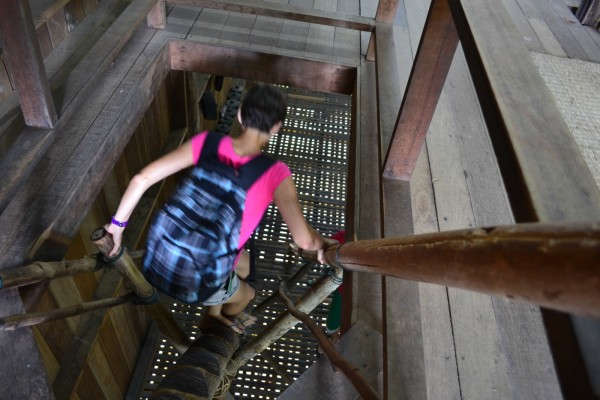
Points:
[(142, 288), (427, 78), (157, 17), (556, 266), (386, 12), (26, 65)]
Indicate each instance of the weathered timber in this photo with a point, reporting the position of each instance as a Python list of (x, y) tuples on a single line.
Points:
[(42, 11), (351, 372), (311, 299), (39, 271), (527, 130), (31, 143), (386, 12), (427, 78), (55, 222), (287, 11), (478, 199), (403, 372), (24, 60), (367, 296), (403, 355), (389, 87), (530, 136), (201, 369), (142, 288), (589, 13), (13, 322), (124, 264), (439, 345), (157, 17), (264, 67), (550, 265)]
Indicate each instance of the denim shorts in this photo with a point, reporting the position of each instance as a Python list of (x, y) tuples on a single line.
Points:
[(231, 285)]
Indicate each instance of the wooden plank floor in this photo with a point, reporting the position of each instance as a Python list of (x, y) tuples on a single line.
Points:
[(282, 37)]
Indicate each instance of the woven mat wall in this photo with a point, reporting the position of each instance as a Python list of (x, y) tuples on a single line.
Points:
[(575, 86)]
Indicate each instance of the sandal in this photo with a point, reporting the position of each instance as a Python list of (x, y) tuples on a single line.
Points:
[(241, 321)]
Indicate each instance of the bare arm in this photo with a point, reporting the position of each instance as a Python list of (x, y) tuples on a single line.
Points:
[(305, 236), (167, 165)]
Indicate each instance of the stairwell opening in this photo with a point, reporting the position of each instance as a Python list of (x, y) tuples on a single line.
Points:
[(314, 142)]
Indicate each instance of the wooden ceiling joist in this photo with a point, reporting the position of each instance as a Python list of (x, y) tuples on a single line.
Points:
[(264, 67), (24, 60), (287, 11)]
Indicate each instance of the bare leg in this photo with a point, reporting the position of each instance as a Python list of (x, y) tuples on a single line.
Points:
[(215, 312), (239, 300), (242, 268)]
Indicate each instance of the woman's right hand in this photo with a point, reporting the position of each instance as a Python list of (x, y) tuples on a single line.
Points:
[(117, 235), (321, 252)]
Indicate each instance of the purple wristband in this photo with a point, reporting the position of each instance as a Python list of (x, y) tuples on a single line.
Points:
[(118, 223)]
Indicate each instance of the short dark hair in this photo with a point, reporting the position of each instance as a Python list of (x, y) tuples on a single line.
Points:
[(263, 106)]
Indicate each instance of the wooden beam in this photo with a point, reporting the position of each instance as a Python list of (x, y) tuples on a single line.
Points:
[(44, 10), (552, 265), (389, 88), (286, 11), (157, 17), (528, 132), (366, 296), (23, 58), (386, 12), (430, 68), (264, 67)]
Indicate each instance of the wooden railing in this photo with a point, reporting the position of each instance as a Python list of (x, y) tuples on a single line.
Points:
[(555, 266)]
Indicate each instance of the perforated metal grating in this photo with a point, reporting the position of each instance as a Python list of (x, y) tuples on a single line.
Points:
[(314, 144)]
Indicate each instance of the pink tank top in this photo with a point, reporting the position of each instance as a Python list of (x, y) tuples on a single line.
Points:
[(260, 194)]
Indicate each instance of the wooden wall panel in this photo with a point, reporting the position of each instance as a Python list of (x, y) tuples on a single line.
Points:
[(114, 350), (53, 22), (43, 37), (57, 334), (127, 342), (65, 293), (115, 356), (50, 362)]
